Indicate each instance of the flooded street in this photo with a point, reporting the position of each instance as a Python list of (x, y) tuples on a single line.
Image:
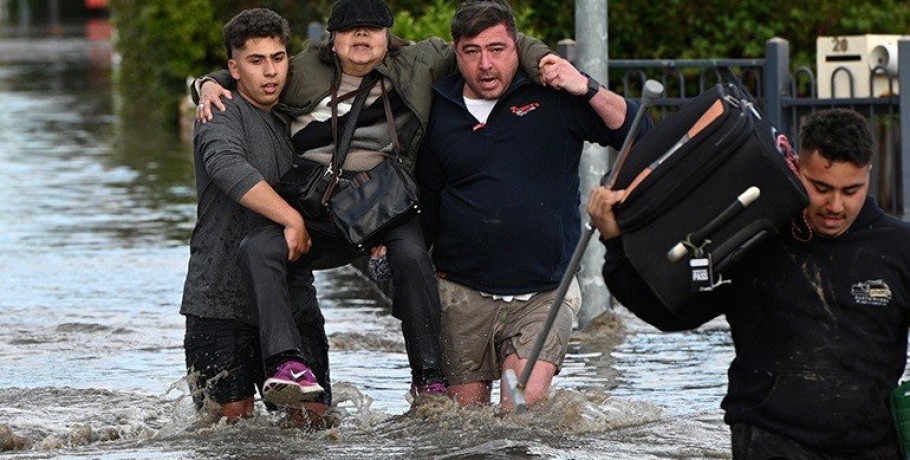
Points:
[(95, 216)]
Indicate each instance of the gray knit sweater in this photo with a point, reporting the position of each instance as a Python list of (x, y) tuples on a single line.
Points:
[(235, 150)]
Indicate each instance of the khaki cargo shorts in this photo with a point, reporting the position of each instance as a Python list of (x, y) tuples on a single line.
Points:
[(479, 332)]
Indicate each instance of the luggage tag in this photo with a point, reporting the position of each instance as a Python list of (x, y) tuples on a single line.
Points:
[(701, 277)]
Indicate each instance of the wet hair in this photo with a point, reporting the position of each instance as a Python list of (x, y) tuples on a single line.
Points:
[(838, 135), (475, 16), (254, 23), (327, 56)]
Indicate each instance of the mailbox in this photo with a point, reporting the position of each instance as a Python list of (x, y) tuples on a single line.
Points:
[(857, 66)]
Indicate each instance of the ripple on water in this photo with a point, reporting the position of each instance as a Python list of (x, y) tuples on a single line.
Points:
[(377, 341), (82, 327)]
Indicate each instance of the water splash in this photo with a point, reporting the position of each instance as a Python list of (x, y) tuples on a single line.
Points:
[(572, 412), (75, 417)]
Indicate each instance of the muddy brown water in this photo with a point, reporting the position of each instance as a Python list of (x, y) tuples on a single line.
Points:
[(94, 222)]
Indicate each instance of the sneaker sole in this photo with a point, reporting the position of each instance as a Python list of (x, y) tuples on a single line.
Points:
[(289, 394)]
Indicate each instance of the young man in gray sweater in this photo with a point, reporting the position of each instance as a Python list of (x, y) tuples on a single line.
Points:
[(239, 156)]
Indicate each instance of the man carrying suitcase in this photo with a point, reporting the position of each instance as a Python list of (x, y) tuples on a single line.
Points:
[(818, 315)]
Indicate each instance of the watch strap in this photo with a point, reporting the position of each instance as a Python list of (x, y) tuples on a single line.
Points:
[(593, 87)]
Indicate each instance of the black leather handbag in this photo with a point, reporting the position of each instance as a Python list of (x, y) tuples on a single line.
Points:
[(372, 202), (309, 185), (364, 211), (305, 187)]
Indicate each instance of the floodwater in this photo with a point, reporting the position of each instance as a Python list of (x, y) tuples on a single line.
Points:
[(94, 221)]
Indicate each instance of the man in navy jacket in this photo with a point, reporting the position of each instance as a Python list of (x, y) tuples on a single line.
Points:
[(818, 317), (499, 180)]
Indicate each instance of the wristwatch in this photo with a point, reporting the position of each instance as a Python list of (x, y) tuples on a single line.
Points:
[(593, 88)]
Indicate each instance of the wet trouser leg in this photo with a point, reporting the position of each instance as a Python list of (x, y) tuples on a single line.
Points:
[(415, 300), (264, 264), (284, 302), (752, 443), (314, 345)]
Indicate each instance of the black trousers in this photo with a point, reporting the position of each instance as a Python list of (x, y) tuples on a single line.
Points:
[(753, 443), (287, 312), (270, 281), (223, 360)]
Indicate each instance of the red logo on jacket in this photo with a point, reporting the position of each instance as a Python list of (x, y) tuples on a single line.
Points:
[(523, 110)]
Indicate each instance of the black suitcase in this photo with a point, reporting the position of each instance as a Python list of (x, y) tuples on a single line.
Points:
[(683, 220)]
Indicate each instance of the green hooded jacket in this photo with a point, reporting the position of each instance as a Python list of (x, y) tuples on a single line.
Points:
[(412, 70)]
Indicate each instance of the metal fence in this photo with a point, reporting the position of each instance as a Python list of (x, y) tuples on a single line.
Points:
[(786, 97)]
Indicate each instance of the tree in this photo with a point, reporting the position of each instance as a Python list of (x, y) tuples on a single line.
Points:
[(434, 20)]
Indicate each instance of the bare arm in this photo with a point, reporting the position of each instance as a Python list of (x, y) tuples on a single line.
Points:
[(263, 200)]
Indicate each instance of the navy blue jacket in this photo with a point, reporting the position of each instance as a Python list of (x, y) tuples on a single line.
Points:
[(820, 330), (502, 200)]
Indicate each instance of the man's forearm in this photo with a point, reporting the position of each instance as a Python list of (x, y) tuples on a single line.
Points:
[(262, 199), (611, 107)]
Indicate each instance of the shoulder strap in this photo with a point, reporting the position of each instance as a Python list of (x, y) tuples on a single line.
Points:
[(390, 118), (344, 143)]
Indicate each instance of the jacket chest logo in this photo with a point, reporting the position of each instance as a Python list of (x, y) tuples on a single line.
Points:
[(871, 292), (525, 109)]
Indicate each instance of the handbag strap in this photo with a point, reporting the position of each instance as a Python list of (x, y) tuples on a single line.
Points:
[(344, 143), (390, 119)]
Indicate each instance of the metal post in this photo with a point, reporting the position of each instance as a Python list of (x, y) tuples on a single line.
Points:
[(903, 78), (591, 34), (777, 71), (567, 49)]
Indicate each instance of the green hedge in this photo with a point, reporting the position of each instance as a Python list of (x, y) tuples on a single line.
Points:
[(160, 43)]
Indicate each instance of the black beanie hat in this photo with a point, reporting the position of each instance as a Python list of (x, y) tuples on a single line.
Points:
[(349, 13)]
